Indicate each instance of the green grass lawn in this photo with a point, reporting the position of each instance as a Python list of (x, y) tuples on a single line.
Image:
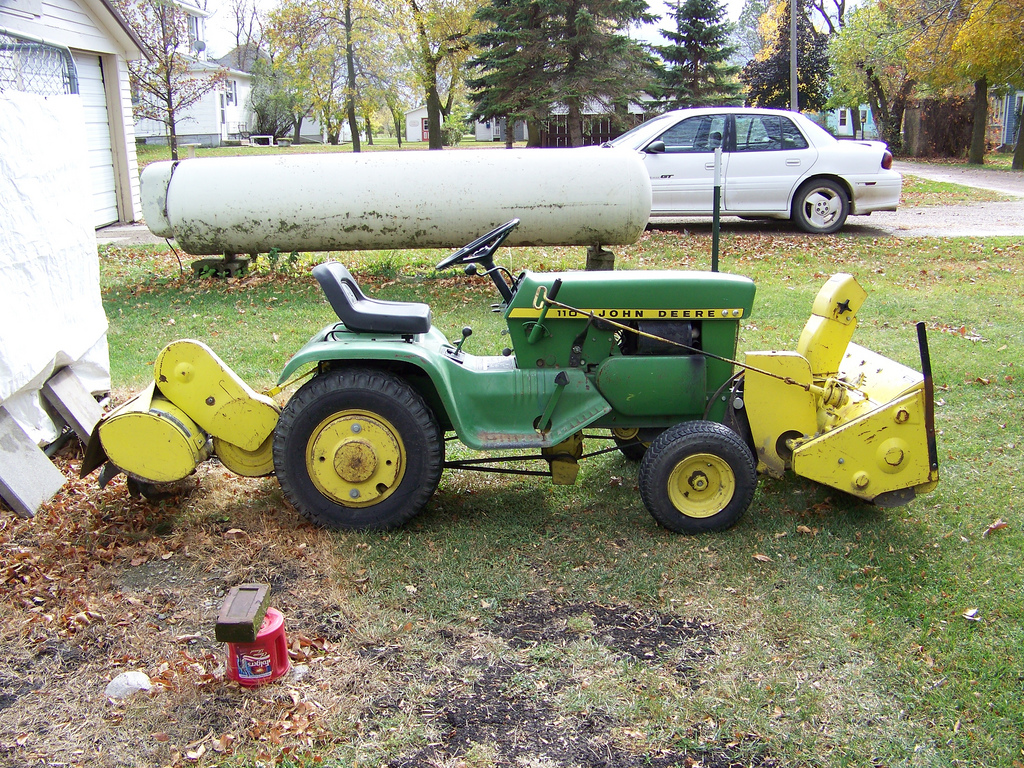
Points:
[(842, 634)]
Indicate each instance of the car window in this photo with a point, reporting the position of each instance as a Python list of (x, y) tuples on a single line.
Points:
[(634, 136), (767, 133), (695, 134)]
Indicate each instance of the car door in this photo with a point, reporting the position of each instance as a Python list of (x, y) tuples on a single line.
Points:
[(683, 172), (769, 158)]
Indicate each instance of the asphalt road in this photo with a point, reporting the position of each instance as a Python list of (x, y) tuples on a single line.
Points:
[(978, 220)]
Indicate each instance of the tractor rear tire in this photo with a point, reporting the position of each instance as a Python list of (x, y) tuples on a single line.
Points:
[(698, 476), (358, 449)]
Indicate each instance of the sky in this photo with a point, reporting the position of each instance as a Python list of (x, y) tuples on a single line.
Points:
[(220, 32)]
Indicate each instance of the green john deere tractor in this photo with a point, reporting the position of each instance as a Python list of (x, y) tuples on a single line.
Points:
[(645, 359)]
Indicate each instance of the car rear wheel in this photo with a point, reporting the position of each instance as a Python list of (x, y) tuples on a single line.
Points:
[(820, 207)]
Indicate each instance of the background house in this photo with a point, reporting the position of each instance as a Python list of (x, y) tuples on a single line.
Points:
[(416, 124), (840, 123), (494, 130), (1008, 111), (100, 44), (222, 114)]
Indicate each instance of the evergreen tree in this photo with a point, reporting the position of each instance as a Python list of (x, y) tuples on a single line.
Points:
[(696, 69), (575, 53), (767, 76), (511, 84), (596, 60)]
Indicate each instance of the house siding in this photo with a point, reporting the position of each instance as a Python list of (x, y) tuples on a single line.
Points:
[(89, 30), (64, 22)]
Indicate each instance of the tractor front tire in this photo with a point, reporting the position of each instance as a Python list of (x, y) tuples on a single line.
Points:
[(698, 476), (358, 449)]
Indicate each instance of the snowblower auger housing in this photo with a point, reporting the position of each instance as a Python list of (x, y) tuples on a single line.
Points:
[(645, 359)]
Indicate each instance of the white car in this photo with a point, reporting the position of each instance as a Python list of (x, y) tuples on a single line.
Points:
[(775, 164)]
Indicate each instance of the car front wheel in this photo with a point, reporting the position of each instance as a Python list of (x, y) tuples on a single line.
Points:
[(820, 207)]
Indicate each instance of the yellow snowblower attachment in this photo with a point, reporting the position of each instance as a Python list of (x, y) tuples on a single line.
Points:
[(840, 414)]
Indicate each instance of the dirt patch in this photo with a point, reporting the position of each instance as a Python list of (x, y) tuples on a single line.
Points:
[(501, 719)]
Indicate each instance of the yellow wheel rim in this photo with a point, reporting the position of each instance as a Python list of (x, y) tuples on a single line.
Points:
[(356, 458), (626, 433), (701, 485)]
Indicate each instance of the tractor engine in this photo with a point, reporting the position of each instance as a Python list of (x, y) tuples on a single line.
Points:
[(674, 337)]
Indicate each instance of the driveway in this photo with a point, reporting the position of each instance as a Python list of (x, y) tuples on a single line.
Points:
[(977, 220)]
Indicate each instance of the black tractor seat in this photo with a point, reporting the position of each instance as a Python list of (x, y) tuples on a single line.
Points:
[(365, 315)]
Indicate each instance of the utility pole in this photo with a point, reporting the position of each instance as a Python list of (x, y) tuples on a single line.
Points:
[(794, 100)]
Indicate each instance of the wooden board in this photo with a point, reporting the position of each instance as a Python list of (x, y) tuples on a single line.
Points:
[(65, 392), (242, 613)]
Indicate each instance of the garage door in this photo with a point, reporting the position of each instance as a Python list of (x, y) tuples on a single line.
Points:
[(97, 135)]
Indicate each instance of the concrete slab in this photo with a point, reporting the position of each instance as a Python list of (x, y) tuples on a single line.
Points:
[(27, 478)]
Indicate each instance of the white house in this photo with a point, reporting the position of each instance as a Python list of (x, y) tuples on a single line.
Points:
[(100, 44), (416, 125), (494, 130), (221, 114)]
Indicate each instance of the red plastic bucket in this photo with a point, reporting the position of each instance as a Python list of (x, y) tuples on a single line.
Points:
[(265, 660)]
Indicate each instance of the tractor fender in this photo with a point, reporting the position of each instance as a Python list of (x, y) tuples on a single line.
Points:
[(487, 401)]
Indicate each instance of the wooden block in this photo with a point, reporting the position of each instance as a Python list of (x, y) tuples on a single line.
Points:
[(242, 613), (27, 478), (65, 392)]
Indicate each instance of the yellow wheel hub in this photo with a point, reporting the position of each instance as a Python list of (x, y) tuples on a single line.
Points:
[(701, 485), (356, 458)]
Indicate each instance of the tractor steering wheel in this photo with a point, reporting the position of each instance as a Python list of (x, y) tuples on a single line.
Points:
[(481, 250)]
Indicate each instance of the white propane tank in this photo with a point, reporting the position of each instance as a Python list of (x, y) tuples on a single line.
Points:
[(409, 199)]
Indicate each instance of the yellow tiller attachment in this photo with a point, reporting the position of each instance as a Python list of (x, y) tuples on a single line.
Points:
[(241, 420), (152, 439), (840, 414)]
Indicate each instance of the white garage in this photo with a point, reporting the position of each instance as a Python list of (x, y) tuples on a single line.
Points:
[(97, 138), (100, 44)]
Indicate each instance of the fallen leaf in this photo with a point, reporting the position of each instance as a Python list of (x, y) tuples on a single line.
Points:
[(614, 481), (410, 589), (971, 614), (995, 526), (223, 744), (804, 529), (762, 558), (198, 752), (161, 736)]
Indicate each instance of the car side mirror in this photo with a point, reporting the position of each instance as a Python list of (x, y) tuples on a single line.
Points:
[(655, 147)]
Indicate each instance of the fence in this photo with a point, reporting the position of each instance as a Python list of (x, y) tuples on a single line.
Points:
[(34, 66), (597, 129)]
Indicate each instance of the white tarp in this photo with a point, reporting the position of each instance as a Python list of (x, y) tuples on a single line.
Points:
[(51, 314)]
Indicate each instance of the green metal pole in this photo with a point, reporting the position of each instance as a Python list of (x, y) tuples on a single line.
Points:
[(717, 209)]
